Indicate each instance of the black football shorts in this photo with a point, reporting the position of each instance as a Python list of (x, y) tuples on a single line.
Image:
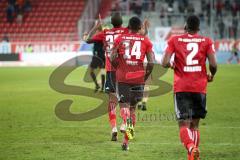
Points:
[(130, 93), (110, 84), (190, 105), (97, 62)]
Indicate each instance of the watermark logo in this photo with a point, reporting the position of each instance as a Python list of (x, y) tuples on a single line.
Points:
[(62, 109)]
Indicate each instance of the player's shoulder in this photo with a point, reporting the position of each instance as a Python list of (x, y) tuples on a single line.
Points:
[(119, 38), (146, 39), (107, 31), (176, 37), (206, 39), (119, 30)]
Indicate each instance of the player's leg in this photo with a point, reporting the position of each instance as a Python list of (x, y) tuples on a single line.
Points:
[(195, 131), (183, 109), (102, 71), (133, 114), (123, 95), (194, 153), (125, 115), (237, 57), (123, 91), (185, 135), (112, 102), (102, 79), (145, 98), (94, 79), (136, 96), (143, 104), (230, 58), (199, 111), (93, 66)]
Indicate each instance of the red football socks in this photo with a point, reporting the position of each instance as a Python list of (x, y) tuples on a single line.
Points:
[(133, 117), (196, 136), (112, 113), (186, 138), (125, 114), (125, 139)]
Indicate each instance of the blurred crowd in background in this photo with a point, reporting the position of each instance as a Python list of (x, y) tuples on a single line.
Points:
[(225, 13), (16, 9)]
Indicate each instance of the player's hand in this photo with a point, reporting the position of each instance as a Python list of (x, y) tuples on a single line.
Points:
[(146, 23), (85, 36), (98, 23), (210, 77), (172, 65)]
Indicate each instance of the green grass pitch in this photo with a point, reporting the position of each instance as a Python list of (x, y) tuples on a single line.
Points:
[(29, 128)]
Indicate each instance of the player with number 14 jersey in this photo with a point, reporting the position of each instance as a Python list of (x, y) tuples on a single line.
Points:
[(132, 50)]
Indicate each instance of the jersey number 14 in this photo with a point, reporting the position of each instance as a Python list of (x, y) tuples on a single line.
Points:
[(135, 50)]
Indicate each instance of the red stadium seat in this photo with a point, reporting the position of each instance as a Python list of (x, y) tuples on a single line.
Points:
[(48, 20)]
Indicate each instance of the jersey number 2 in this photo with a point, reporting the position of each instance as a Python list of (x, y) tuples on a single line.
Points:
[(193, 47)]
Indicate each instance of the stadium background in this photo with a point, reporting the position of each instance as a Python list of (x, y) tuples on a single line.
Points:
[(48, 32), (54, 29)]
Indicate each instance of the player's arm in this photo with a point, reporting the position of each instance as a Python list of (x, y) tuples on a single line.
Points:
[(145, 26), (212, 66), (150, 65), (166, 59), (88, 37), (211, 56), (114, 53)]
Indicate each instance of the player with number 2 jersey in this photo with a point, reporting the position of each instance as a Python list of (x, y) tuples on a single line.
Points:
[(190, 81), (190, 61)]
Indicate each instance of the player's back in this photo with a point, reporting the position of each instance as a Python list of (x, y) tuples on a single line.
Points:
[(107, 37), (110, 36), (132, 50), (190, 62)]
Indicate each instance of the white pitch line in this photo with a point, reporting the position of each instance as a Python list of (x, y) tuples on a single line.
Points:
[(105, 126), (134, 143)]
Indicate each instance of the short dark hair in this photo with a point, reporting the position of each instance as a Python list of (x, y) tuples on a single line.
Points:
[(193, 23), (116, 19), (134, 24)]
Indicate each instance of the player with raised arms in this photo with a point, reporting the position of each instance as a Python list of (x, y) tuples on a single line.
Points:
[(108, 36), (128, 54), (190, 81)]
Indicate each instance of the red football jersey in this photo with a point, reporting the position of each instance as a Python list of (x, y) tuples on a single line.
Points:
[(190, 74), (132, 49), (108, 36)]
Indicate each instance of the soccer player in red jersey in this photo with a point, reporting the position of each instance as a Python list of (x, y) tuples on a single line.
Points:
[(128, 54), (107, 36), (190, 81)]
